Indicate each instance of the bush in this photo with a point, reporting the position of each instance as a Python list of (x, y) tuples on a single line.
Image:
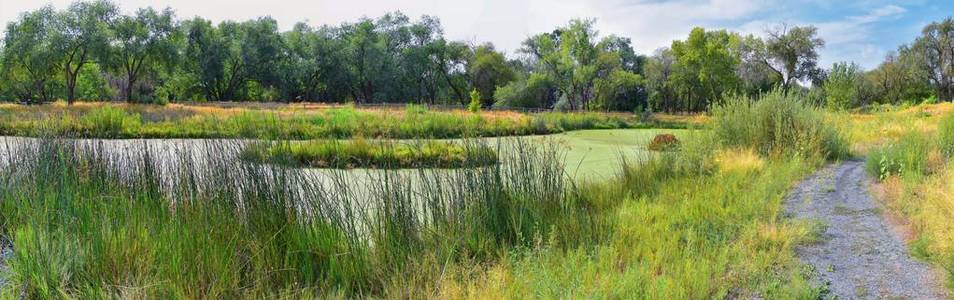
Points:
[(777, 123), (474, 105), (663, 142)]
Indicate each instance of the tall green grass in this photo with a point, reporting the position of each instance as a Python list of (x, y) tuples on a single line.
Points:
[(906, 157), (777, 123), (945, 135), (86, 221)]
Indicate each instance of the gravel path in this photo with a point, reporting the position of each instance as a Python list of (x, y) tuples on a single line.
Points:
[(857, 257)]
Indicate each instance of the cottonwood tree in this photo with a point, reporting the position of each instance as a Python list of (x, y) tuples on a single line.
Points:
[(936, 45), (658, 70), (573, 59), (900, 77), (79, 34), (841, 85), (141, 42), (227, 58), (30, 61), (792, 53), (452, 62), (755, 75), (488, 69), (704, 67)]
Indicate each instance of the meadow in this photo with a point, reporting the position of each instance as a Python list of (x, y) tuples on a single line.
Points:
[(912, 164), (587, 213), (700, 221)]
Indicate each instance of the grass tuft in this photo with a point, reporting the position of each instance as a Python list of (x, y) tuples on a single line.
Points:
[(777, 123)]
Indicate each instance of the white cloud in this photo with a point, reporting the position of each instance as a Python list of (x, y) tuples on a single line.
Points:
[(650, 24), (852, 39)]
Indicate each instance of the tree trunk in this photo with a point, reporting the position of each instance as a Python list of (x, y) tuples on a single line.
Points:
[(129, 84)]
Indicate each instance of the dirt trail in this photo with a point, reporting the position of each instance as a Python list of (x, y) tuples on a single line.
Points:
[(858, 256)]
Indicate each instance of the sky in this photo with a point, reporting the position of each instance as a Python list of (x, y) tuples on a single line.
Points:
[(863, 31)]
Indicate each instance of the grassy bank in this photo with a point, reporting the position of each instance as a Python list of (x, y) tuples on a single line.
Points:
[(376, 154), (704, 222), (84, 223), (98, 120), (700, 222), (914, 172)]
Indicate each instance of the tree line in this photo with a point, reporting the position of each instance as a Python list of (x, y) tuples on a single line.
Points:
[(90, 51)]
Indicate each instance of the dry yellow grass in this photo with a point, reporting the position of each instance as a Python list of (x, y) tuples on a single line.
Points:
[(738, 160), (870, 130), (692, 119)]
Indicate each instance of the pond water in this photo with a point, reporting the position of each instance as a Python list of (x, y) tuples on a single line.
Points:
[(591, 154)]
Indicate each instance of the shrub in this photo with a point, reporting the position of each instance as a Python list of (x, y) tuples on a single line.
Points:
[(663, 142), (777, 123), (474, 105)]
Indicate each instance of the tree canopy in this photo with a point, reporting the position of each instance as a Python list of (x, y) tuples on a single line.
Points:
[(90, 51)]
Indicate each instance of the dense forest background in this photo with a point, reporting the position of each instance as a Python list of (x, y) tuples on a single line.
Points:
[(90, 51)]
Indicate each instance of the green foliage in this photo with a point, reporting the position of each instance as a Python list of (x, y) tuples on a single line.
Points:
[(30, 61), (572, 59), (705, 234), (91, 85), (474, 105), (488, 70), (842, 86), (704, 67), (777, 123), (620, 91), (792, 51), (80, 34), (931, 56), (533, 92), (906, 158), (144, 44)]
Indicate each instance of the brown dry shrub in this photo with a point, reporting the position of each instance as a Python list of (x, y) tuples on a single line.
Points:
[(663, 142)]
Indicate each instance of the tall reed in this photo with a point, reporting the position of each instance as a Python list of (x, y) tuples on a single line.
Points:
[(155, 220)]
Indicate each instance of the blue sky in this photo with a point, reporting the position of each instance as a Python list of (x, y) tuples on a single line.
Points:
[(856, 30)]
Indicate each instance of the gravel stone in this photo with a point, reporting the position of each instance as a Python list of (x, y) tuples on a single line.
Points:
[(857, 256)]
